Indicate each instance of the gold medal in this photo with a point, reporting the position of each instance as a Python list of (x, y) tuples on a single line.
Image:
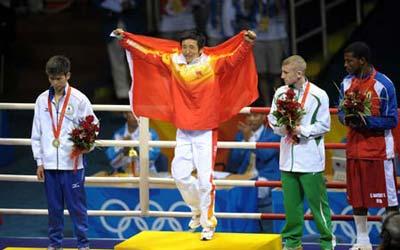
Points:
[(56, 143)]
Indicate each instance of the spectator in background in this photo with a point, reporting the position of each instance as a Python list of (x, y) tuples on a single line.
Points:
[(220, 25), (268, 19), (24, 6), (370, 141), (128, 15), (35, 6), (390, 233), (176, 16), (122, 157), (200, 10), (8, 21), (262, 164)]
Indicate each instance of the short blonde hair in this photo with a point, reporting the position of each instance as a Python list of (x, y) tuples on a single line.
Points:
[(298, 62)]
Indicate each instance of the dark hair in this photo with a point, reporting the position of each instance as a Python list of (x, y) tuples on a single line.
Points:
[(195, 35), (390, 233), (58, 65), (359, 50)]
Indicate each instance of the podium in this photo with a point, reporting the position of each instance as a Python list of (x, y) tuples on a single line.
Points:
[(152, 240)]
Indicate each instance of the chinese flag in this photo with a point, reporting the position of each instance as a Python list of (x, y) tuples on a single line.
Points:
[(153, 95)]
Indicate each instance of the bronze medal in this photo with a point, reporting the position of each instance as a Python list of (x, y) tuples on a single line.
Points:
[(56, 143)]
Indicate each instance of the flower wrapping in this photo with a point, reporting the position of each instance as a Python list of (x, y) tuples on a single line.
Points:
[(288, 114), (83, 138), (356, 106)]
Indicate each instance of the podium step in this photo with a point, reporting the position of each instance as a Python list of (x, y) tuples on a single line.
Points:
[(155, 240)]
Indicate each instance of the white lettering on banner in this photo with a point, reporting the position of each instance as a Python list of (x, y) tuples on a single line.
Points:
[(141, 224)]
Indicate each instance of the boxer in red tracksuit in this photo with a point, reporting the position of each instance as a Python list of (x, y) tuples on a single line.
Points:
[(370, 147)]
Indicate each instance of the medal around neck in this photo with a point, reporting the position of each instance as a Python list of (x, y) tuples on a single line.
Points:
[(57, 130), (56, 143)]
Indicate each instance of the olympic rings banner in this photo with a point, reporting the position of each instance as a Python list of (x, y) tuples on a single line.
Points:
[(343, 230), (239, 199)]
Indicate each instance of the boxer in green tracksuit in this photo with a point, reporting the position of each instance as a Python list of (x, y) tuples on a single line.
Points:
[(302, 160)]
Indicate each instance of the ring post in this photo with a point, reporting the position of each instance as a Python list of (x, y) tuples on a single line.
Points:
[(144, 138)]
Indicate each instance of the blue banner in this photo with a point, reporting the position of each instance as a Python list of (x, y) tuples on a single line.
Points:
[(107, 198)]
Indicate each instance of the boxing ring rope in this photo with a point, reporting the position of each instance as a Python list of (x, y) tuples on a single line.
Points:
[(144, 181), (170, 144), (255, 216), (165, 181)]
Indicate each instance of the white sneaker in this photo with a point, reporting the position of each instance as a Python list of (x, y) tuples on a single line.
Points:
[(194, 223), (207, 233), (361, 247)]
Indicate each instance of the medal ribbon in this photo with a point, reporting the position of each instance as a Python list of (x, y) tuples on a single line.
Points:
[(57, 131), (304, 98)]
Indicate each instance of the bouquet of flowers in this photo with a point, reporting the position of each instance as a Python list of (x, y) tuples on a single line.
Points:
[(83, 138), (356, 105), (288, 113)]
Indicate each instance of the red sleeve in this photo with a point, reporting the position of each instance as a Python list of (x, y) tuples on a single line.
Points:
[(228, 62), (127, 43)]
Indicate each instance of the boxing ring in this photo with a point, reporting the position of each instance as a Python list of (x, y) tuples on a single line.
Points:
[(144, 182)]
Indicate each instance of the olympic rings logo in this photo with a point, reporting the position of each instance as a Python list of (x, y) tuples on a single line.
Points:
[(125, 223), (158, 224)]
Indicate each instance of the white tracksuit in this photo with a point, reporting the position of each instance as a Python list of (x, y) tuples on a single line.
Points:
[(42, 133), (309, 155), (196, 149)]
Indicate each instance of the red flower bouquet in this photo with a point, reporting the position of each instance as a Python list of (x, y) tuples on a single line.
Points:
[(83, 137), (288, 113), (356, 106)]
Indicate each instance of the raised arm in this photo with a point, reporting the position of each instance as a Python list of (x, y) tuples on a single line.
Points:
[(228, 62), (138, 51)]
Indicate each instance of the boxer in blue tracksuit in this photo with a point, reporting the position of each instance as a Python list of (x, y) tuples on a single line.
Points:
[(57, 111)]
